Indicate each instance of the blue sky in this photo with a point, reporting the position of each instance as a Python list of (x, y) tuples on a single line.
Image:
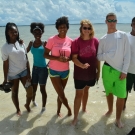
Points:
[(23, 12)]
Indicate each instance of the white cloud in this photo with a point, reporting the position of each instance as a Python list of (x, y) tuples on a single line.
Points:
[(24, 12)]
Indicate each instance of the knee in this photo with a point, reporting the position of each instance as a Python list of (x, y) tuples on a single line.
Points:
[(29, 92), (79, 95)]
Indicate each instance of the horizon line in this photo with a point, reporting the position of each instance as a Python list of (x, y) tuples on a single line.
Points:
[(54, 24)]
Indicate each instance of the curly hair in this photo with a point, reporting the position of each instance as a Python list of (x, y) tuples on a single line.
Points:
[(9, 26), (36, 25), (85, 21), (62, 20)]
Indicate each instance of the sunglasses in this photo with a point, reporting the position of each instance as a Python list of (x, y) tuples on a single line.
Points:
[(111, 21), (86, 28)]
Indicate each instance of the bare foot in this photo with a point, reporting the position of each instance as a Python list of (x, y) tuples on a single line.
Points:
[(74, 122), (108, 113), (18, 113), (27, 107), (59, 115), (69, 112), (85, 111), (119, 124)]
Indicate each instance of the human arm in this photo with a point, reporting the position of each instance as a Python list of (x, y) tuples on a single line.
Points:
[(29, 46), (98, 69), (51, 57), (126, 59), (101, 54), (126, 55), (78, 63), (28, 70), (5, 70)]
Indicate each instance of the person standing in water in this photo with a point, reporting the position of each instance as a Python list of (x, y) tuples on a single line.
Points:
[(16, 65), (86, 65), (60, 48), (39, 71), (114, 49)]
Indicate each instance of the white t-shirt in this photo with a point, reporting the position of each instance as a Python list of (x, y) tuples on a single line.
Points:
[(114, 48), (131, 68), (17, 57)]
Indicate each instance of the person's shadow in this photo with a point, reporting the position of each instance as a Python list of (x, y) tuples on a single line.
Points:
[(16, 125), (59, 126), (105, 127)]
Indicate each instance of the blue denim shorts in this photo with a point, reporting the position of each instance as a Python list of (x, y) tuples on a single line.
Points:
[(20, 75), (39, 75), (62, 74)]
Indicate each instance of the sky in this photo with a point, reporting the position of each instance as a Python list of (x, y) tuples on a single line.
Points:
[(23, 12)]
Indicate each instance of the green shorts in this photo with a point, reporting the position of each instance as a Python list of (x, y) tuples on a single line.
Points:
[(112, 83), (130, 82)]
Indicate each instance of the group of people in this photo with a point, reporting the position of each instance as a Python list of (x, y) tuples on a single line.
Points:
[(116, 49)]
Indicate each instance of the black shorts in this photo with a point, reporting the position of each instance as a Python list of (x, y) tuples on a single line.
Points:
[(80, 84), (130, 82)]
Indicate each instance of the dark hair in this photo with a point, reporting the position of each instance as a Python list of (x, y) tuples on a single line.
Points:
[(9, 26), (133, 20), (36, 25), (110, 14), (62, 20)]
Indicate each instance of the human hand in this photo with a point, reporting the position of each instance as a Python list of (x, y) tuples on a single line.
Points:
[(85, 66), (21, 41), (29, 77), (123, 76), (63, 59)]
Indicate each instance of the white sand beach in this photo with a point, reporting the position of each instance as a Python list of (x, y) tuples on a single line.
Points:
[(92, 123)]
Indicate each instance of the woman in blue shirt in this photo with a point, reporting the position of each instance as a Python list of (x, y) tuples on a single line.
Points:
[(39, 71)]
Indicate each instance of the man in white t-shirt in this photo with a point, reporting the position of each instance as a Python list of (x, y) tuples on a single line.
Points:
[(131, 69), (114, 50)]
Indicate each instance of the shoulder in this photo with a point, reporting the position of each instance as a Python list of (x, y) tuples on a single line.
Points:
[(121, 33), (77, 39), (68, 38), (4, 47), (95, 39), (52, 37), (103, 37)]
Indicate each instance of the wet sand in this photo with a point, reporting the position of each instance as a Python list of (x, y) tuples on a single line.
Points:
[(92, 123)]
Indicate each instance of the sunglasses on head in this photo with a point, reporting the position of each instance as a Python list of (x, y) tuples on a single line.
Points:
[(109, 20), (86, 28)]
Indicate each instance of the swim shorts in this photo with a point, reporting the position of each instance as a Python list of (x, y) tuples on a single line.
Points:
[(112, 83), (62, 74)]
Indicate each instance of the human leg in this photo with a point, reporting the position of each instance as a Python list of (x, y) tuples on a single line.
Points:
[(56, 81), (29, 92), (125, 101), (119, 108), (110, 104), (15, 95), (85, 98), (44, 95), (34, 94), (130, 80), (77, 104), (59, 103)]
